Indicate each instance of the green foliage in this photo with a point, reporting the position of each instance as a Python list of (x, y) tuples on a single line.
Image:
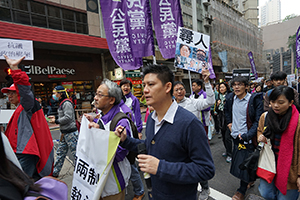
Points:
[(292, 41), (288, 17)]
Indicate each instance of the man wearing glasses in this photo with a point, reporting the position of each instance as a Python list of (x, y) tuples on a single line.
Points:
[(242, 112), (107, 99)]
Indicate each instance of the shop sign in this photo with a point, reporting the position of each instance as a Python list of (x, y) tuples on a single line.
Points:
[(133, 74), (37, 70), (57, 77)]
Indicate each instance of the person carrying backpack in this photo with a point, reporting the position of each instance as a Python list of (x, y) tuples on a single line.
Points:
[(68, 129)]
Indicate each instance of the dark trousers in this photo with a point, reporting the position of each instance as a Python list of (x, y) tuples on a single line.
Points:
[(217, 127), (227, 141)]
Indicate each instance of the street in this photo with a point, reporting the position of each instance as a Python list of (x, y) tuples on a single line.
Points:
[(223, 186)]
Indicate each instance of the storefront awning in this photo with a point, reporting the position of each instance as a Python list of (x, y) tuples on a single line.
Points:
[(18, 31)]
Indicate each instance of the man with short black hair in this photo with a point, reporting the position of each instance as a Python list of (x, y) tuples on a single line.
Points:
[(198, 92), (278, 78), (179, 154), (195, 106), (242, 112), (269, 85)]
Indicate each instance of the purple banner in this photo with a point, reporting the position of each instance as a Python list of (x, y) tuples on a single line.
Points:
[(298, 48), (210, 65), (128, 31), (250, 55), (166, 19)]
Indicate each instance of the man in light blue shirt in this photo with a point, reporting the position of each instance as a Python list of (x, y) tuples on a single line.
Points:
[(242, 112)]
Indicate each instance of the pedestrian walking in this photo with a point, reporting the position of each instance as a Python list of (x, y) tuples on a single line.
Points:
[(66, 120), (281, 125)]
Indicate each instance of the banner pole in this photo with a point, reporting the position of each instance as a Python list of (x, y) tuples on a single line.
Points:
[(190, 80), (154, 60)]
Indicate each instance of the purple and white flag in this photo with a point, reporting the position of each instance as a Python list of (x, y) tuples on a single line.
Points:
[(250, 55), (298, 48), (128, 31), (167, 18)]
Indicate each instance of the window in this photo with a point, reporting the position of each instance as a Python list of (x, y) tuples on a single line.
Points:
[(42, 15)]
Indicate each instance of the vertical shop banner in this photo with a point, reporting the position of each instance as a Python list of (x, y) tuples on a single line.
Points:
[(193, 51), (223, 57), (167, 18), (298, 48), (250, 55), (128, 31), (91, 168)]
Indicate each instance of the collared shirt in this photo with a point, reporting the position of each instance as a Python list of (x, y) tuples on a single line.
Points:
[(169, 116), (239, 115)]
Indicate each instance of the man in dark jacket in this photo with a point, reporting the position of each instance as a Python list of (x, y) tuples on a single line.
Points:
[(242, 112), (178, 152)]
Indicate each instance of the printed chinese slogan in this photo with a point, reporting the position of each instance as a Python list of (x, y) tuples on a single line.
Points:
[(91, 168), (128, 31), (193, 51), (16, 49), (166, 19)]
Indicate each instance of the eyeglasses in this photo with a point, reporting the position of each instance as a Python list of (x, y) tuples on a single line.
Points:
[(179, 89), (99, 95), (237, 85), (11, 93)]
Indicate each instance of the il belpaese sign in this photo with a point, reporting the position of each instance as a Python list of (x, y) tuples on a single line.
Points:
[(49, 70)]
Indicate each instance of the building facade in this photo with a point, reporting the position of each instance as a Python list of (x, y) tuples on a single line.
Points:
[(67, 37), (270, 12), (248, 8), (276, 50), (232, 33)]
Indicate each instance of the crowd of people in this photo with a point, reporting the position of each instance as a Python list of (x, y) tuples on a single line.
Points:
[(176, 136)]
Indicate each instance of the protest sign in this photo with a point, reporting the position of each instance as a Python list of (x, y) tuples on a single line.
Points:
[(91, 167), (16, 49), (193, 51)]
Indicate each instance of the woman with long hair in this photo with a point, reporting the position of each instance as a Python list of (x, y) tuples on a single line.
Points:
[(282, 126), (224, 89)]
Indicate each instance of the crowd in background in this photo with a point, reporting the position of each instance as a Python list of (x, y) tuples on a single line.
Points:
[(178, 132)]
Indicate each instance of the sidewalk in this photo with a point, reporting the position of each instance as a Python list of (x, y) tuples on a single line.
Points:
[(53, 126)]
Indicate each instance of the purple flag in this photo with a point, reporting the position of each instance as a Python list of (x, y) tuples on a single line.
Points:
[(210, 65), (298, 48), (250, 55), (166, 18), (128, 31)]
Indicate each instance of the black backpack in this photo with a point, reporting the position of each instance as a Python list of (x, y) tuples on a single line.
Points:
[(131, 155)]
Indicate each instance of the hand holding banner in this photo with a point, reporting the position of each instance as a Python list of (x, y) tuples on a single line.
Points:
[(91, 168)]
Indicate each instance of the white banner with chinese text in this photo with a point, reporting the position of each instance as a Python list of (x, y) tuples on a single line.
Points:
[(95, 153), (16, 49)]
